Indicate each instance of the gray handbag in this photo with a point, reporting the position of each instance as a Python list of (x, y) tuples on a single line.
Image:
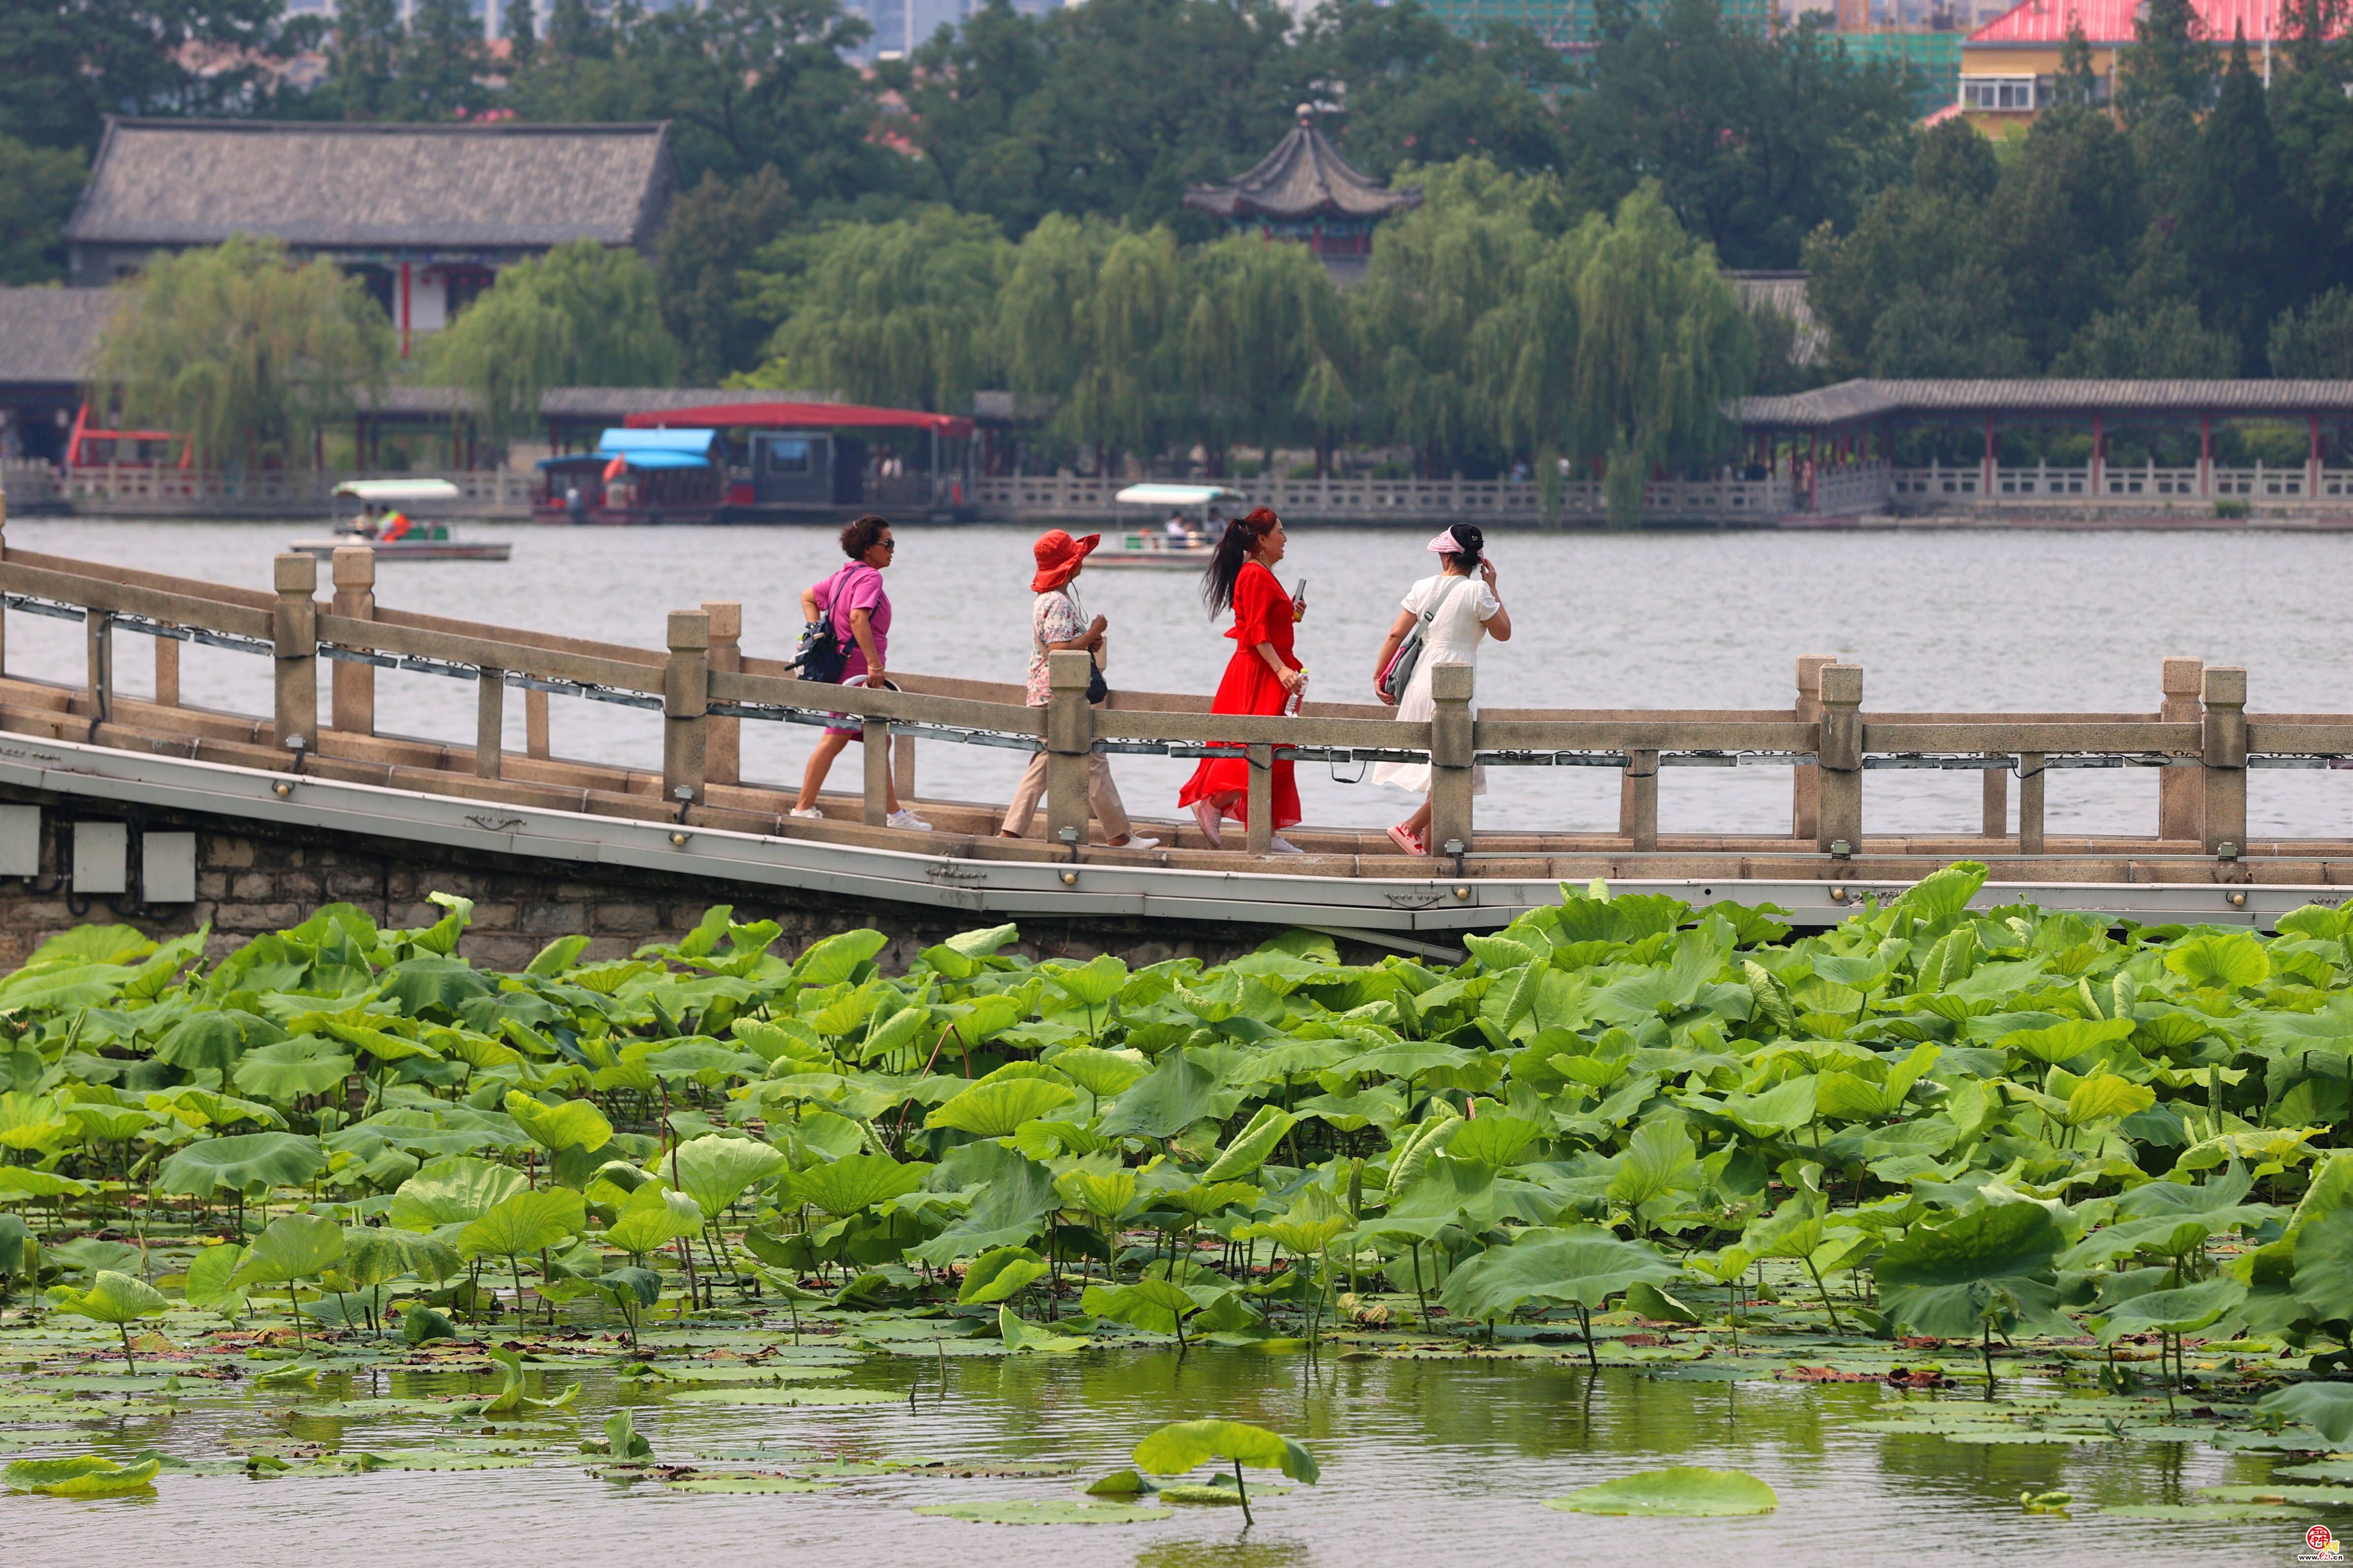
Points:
[(1399, 673)]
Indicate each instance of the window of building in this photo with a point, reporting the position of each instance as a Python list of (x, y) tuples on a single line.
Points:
[(1998, 92)]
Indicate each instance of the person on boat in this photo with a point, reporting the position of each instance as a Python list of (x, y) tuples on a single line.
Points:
[(395, 526), (1261, 678), (1057, 625), (853, 599), (1178, 534), (1456, 607)]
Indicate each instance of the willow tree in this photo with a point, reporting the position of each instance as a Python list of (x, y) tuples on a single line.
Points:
[(898, 313), (250, 356), (1436, 273), (1660, 343), (1090, 316), (1266, 349), (581, 315)]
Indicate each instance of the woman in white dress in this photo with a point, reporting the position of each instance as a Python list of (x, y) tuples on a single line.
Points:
[(1455, 609)]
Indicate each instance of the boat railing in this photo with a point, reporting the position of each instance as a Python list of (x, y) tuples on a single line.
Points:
[(2202, 738)]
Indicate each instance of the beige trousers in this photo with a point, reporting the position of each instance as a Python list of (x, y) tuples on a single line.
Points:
[(1103, 797)]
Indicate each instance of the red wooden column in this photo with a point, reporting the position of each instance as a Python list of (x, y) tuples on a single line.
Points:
[(1986, 468), (2205, 453), (2312, 458), (2099, 455), (404, 310)]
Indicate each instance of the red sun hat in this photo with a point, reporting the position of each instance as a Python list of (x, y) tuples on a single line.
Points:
[(1058, 558)]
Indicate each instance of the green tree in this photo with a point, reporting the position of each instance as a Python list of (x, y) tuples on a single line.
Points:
[(1662, 345), (580, 315), (364, 58), (1910, 290), (894, 313), (2076, 85), (2062, 225), (37, 189), (713, 234), (1420, 92), (2314, 343), (519, 24), (1437, 273), (2239, 238), (2312, 121), (1266, 350), (441, 59), (1755, 140), (2164, 344), (2170, 57), (253, 357), (65, 68)]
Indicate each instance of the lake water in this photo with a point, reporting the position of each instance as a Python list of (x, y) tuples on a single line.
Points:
[(1981, 620), (1445, 1461)]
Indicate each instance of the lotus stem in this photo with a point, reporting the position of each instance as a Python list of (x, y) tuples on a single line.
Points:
[(1242, 1487)]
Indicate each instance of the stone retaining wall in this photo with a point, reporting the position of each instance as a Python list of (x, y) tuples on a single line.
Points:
[(250, 880)]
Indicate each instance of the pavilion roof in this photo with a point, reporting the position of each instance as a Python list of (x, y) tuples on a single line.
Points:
[(1304, 177)]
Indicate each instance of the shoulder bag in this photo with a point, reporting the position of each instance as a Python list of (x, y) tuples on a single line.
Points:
[(822, 653), (1399, 673)]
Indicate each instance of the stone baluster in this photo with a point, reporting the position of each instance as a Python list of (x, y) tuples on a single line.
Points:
[(295, 636), (352, 686), (685, 705)]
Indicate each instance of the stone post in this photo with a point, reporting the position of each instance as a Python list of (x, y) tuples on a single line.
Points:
[(1259, 803), (1842, 759), (1640, 801), (724, 762), (1070, 741), (1806, 782), (1450, 757), (2225, 825), (534, 722), (489, 722), (685, 696), (1993, 817), (295, 633), (2033, 770), (353, 685), (2181, 791), (97, 632)]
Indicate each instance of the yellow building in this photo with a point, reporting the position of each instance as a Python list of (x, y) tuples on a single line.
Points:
[(2008, 65)]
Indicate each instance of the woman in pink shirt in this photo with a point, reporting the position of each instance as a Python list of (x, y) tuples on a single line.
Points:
[(861, 611)]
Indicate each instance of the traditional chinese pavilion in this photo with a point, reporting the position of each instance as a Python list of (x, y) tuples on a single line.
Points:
[(1306, 191)]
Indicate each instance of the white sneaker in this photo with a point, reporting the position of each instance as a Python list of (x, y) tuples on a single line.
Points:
[(902, 817), (1278, 845), (1206, 816), (1135, 843), (809, 812)]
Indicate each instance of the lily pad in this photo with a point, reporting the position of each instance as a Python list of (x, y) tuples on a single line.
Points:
[(1679, 1491), (2217, 1512), (447, 1459), (1058, 1511), (2316, 1495), (750, 1484), (785, 1397)]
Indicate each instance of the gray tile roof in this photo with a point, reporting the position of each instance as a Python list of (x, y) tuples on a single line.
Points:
[(50, 336), (361, 186), (1850, 400), (1304, 177)]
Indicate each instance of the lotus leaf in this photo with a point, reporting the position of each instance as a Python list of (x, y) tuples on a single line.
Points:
[(715, 1172), (996, 1110), (524, 1222), (455, 1190), (1582, 1267), (1680, 1491), (855, 1182), (240, 1163)]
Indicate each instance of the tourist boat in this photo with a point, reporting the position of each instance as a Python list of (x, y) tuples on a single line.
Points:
[(1167, 545), (422, 540)]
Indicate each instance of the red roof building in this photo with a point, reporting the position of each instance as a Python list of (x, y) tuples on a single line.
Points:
[(2009, 65)]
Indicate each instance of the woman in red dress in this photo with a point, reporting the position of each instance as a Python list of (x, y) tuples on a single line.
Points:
[(1259, 678)]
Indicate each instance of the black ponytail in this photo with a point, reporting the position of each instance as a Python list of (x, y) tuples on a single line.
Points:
[(1233, 549), (1467, 535)]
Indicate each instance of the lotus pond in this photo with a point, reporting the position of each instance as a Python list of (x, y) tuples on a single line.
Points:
[(1647, 1229)]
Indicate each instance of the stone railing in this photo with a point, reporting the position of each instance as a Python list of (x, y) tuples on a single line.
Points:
[(1851, 488), (1065, 496), (138, 490), (28, 482), (1975, 485)]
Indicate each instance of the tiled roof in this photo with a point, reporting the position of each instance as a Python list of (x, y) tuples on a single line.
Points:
[(2111, 21), (357, 185), (1850, 400), (616, 404), (1304, 177), (50, 336)]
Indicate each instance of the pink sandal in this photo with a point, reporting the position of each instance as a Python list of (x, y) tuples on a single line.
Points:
[(1402, 836)]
